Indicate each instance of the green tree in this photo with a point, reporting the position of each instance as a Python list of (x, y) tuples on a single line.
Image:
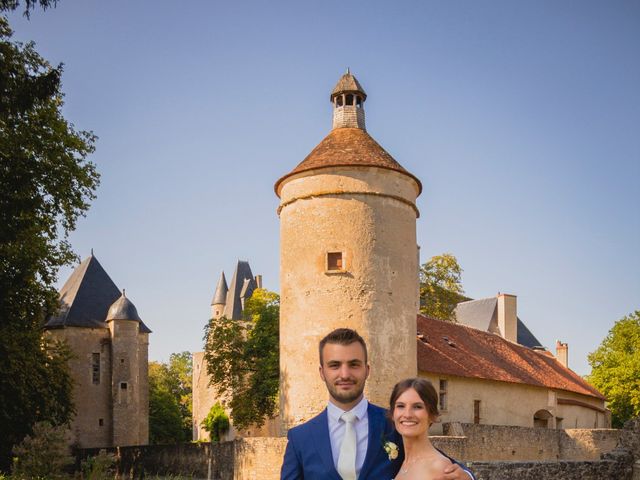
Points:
[(46, 183), (243, 359), (216, 422), (441, 287), (43, 454), (615, 369), (166, 423)]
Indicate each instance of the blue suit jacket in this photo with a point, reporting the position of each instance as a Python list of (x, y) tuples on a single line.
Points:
[(308, 454)]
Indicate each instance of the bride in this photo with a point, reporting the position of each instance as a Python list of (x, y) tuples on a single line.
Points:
[(413, 408)]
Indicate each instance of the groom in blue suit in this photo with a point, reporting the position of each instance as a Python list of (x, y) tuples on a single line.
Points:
[(352, 438)]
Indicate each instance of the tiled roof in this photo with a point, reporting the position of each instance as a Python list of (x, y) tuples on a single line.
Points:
[(220, 295), (447, 348), (348, 147)]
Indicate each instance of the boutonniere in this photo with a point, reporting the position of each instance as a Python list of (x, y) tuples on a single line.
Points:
[(391, 449)]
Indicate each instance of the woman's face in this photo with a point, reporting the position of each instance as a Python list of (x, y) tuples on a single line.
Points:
[(410, 414)]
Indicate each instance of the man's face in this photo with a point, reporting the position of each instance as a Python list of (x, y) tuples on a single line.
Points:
[(344, 371)]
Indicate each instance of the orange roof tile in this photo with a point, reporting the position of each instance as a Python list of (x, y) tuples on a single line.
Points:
[(347, 147), (452, 349)]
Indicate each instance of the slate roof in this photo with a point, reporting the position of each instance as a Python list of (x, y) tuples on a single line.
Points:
[(447, 348), (348, 83), (123, 309), (220, 295), (483, 315), (85, 298), (347, 147), (241, 287)]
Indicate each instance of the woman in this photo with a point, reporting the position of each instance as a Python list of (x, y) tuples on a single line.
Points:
[(413, 408)]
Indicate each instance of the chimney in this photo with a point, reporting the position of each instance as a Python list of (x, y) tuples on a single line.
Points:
[(258, 281), (562, 353), (508, 317)]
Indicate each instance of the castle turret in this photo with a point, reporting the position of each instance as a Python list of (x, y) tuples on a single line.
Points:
[(219, 297), (348, 258), (348, 98), (129, 377)]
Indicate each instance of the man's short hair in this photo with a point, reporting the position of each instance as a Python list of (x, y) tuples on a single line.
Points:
[(342, 336)]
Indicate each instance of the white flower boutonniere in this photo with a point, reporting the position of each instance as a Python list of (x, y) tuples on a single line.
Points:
[(391, 449)]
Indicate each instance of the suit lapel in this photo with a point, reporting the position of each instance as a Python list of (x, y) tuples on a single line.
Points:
[(374, 444), (323, 442)]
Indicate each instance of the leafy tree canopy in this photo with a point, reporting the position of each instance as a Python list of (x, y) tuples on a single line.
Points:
[(170, 383), (615, 369), (441, 287), (46, 183), (243, 359)]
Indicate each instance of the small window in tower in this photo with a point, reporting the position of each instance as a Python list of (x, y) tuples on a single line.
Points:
[(122, 360), (476, 411), (101, 422), (349, 99), (339, 101), (335, 262), (95, 368), (358, 101), (123, 385)]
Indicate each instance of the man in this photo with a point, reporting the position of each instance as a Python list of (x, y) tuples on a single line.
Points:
[(351, 439)]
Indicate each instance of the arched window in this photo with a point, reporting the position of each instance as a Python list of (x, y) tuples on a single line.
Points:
[(541, 418)]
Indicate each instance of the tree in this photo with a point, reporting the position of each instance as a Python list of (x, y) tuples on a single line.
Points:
[(243, 359), (441, 287), (46, 183), (170, 399), (216, 422), (615, 369), (11, 5)]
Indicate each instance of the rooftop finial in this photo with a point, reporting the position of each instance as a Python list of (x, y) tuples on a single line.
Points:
[(92, 252), (123, 293), (348, 72)]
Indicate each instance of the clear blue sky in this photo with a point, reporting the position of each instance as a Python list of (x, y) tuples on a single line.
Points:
[(522, 119)]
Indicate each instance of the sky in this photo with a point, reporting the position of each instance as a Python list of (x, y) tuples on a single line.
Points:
[(521, 119)]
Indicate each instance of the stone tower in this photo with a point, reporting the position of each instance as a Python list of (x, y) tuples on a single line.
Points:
[(348, 258), (219, 299), (110, 348), (128, 374)]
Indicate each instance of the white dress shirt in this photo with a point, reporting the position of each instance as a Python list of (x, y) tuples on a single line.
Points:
[(337, 429)]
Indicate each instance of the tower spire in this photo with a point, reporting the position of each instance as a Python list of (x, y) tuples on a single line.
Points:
[(348, 99)]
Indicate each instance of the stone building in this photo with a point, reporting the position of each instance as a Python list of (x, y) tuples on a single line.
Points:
[(110, 364), (348, 257), (490, 369), (227, 301)]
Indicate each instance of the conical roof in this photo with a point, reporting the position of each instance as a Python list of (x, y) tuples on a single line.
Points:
[(220, 295), (348, 83), (347, 147)]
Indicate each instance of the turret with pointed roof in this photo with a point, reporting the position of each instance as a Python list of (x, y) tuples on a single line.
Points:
[(219, 297), (242, 286)]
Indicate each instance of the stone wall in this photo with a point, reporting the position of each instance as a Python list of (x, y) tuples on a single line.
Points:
[(617, 466), (504, 443)]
